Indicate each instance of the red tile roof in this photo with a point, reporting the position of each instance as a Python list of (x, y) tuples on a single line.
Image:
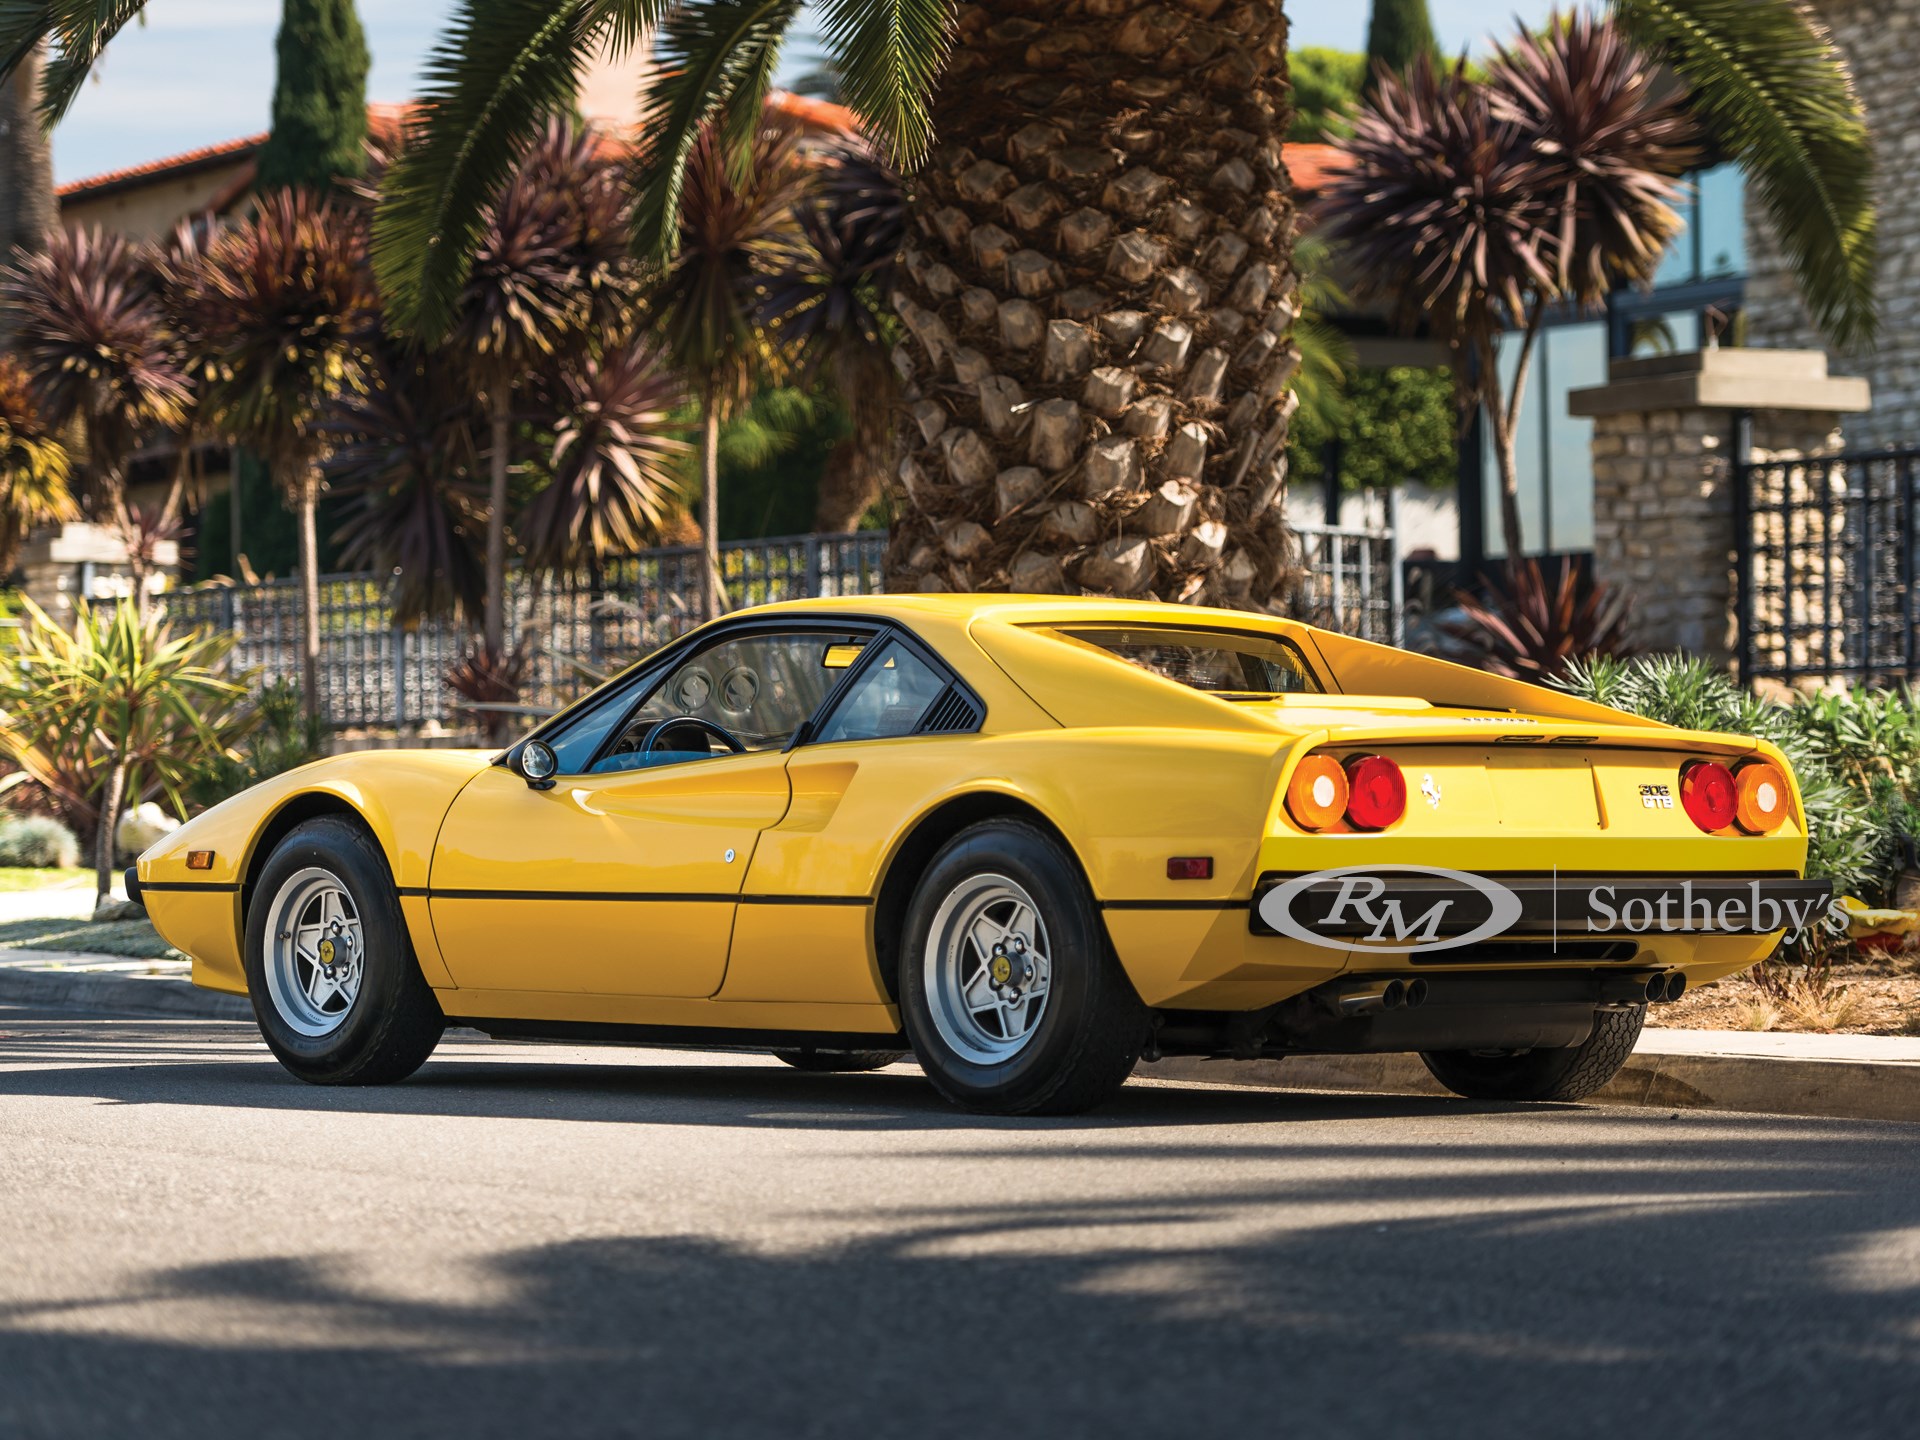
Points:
[(204, 158), (1309, 164)]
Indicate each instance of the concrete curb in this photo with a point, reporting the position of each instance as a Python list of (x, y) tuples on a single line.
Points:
[(25, 983), (1833, 1089)]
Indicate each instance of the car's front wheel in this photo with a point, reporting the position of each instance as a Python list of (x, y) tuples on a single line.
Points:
[(330, 970), (1009, 989), (1572, 1073)]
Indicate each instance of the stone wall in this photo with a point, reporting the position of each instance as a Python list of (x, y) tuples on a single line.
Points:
[(1881, 40), (1664, 521)]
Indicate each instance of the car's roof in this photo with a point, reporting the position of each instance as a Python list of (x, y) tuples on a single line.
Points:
[(1031, 609)]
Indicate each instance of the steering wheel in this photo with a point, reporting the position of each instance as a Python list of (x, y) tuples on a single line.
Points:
[(685, 729)]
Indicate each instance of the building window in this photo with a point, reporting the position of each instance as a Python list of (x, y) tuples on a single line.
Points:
[(1551, 454)]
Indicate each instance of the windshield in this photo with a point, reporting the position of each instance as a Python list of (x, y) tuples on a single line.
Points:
[(1234, 664)]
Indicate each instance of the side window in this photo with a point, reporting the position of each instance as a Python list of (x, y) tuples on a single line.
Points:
[(751, 690), (889, 699)]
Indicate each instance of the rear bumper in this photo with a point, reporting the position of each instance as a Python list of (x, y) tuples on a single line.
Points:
[(1428, 910)]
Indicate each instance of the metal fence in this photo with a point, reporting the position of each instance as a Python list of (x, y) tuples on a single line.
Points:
[(1350, 578), (374, 674), (1825, 568)]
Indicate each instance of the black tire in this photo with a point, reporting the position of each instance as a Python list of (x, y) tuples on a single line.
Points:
[(393, 1023), (1089, 1033), (1572, 1073), (838, 1062)]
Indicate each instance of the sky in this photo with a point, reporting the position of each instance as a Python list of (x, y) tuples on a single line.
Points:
[(201, 71)]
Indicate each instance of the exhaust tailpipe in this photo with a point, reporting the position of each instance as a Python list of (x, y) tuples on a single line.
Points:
[(1665, 987), (1373, 997)]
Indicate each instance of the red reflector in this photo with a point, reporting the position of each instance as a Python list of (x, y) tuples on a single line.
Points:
[(1190, 867), (199, 859), (1708, 795), (1377, 792)]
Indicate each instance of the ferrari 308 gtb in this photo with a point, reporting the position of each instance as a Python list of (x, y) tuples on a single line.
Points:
[(1029, 839)]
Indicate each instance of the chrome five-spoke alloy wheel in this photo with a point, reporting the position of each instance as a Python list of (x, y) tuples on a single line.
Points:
[(315, 952), (987, 969)]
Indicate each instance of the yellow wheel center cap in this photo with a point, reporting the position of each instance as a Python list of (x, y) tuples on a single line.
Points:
[(1002, 969), (326, 952)]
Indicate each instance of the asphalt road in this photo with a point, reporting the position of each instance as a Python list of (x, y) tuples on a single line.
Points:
[(535, 1241)]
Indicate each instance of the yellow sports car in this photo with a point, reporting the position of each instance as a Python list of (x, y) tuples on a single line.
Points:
[(1031, 839)]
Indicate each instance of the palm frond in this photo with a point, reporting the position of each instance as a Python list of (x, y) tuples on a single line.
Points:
[(716, 64), (1769, 86), (887, 55), (503, 68), (77, 30)]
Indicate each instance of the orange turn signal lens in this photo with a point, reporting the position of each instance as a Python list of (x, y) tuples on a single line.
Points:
[(1317, 794), (199, 859), (1761, 793)]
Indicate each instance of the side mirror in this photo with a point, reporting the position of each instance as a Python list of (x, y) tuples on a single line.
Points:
[(536, 764)]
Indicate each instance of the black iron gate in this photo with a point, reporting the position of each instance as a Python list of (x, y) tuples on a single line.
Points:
[(1825, 570)]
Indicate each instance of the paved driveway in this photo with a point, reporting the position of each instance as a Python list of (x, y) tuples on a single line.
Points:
[(538, 1241)]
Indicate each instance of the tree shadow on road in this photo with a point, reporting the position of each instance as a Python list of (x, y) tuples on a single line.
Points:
[(1655, 1290)]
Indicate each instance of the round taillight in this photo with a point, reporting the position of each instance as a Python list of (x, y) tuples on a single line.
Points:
[(1760, 798), (1708, 794), (1378, 792), (1317, 794)]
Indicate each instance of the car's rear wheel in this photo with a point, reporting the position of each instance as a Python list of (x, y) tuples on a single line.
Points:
[(1009, 989), (833, 1062), (1572, 1073), (330, 970)]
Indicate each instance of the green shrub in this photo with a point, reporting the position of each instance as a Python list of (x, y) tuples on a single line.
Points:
[(283, 738), (37, 841), (1856, 755)]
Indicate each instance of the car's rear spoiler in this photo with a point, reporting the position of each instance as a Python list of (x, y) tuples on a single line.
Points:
[(1364, 668)]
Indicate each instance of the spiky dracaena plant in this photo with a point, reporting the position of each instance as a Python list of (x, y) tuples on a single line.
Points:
[(1472, 207), (91, 336), (552, 274), (117, 706), (736, 230), (616, 460), (403, 452), (276, 319), (1535, 628), (828, 303), (33, 467)]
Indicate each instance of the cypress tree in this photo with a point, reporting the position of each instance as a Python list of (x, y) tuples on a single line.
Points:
[(1398, 33), (319, 97)]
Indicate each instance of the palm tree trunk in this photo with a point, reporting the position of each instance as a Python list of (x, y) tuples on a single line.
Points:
[(28, 211), (1101, 292), (495, 629), (112, 797), (712, 590), (849, 484), (310, 591)]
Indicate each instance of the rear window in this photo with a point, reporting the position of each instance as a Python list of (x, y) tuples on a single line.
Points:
[(1234, 664)]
